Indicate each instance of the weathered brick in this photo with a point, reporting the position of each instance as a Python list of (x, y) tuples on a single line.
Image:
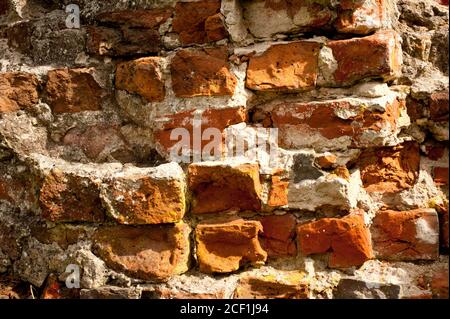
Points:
[(442, 210), (406, 235), (194, 22), (222, 187), (268, 288), (93, 140), (146, 195), (210, 118), (214, 27), (329, 124), (360, 16), (147, 19), (347, 238), (278, 193), (266, 18), (439, 283), (73, 90), (18, 90), (278, 237), (440, 175), (127, 32), (353, 65), (284, 67), (68, 197), (143, 77), (202, 72), (224, 247), (439, 106), (154, 252), (390, 169)]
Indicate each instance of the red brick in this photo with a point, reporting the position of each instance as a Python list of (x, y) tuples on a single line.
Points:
[(284, 67), (219, 188), (442, 210), (210, 118), (360, 16), (390, 169), (294, 119), (440, 175), (73, 90), (18, 90), (215, 29), (154, 252), (224, 247), (191, 21), (439, 106), (202, 72), (406, 235), (347, 238), (353, 65), (439, 283), (146, 19), (278, 194), (143, 77), (66, 197), (278, 237), (146, 195)]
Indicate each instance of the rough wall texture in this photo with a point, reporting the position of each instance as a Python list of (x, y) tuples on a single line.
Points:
[(354, 206)]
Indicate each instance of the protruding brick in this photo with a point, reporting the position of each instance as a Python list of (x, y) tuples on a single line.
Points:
[(224, 247), (18, 90), (439, 106), (224, 187), (196, 21), (146, 195), (69, 197), (406, 235), (353, 65), (327, 125), (284, 67), (278, 237), (210, 118), (289, 286), (361, 16), (73, 90), (202, 72), (143, 77), (347, 238), (145, 252), (390, 169)]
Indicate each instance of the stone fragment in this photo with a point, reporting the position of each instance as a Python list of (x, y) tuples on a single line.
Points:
[(111, 292), (266, 18), (284, 67), (154, 252), (266, 287), (143, 77), (222, 187), (347, 238), (406, 235), (73, 90), (224, 247), (349, 288), (202, 72), (361, 16)]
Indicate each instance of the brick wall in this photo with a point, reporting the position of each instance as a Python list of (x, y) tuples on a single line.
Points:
[(353, 204)]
